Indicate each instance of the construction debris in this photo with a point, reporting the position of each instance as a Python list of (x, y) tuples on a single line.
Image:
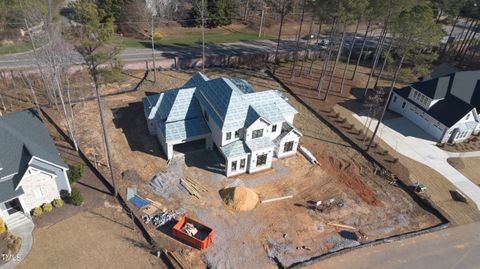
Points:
[(190, 229), (176, 259), (310, 157), (341, 226), (193, 187), (276, 199)]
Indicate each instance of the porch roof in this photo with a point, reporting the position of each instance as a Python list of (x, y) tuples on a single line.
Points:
[(260, 143), (235, 149)]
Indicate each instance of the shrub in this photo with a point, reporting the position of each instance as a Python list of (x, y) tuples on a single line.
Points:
[(14, 244), (385, 152), (57, 203), (47, 207), (37, 211), (75, 172), (157, 36), (76, 197), (2, 226), (337, 115)]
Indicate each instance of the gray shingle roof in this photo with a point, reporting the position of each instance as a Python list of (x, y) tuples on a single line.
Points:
[(235, 149), (23, 135), (260, 143), (181, 130)]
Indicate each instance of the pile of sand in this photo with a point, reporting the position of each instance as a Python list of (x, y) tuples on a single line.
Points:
[(239, 198)]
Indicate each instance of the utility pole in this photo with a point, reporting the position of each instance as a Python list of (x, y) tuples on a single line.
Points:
[(153, 48), (261, 20)]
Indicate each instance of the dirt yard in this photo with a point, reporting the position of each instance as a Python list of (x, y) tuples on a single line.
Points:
[(99, 238), (343, 104), (468, 167), (283, 232)]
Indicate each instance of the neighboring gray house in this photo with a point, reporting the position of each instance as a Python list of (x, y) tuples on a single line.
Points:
[(31, 170), (247, 127), (446, 107)]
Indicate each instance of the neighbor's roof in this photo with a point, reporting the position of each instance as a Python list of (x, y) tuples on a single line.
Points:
[(23, 135)]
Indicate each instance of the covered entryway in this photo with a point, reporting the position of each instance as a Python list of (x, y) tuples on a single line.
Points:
[(13, 206)]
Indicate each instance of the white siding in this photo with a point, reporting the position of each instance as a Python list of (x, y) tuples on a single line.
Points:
[(277, 132), (279, 151), (253, 160), (259, 124), (39, 188)]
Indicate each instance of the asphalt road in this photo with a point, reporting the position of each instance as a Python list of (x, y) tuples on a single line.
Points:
[(25, 60), (453, 248)]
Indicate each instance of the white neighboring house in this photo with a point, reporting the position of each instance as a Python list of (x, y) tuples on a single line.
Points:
[(31, 170), (249, 128), (446, 107)]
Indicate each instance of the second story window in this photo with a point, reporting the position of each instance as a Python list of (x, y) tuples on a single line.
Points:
[(237, 133), (274, 128), (229, 135), (257, 133)]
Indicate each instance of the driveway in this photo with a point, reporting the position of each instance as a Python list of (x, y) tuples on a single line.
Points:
[(409, 140)]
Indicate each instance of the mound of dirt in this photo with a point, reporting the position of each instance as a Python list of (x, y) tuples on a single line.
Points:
[(239, 198)]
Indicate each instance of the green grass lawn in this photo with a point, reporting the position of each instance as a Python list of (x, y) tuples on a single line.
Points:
[(15, 48), (188, 40)]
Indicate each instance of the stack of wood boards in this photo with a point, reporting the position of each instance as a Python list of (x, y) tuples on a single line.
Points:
[(176, 260), (193, 187)]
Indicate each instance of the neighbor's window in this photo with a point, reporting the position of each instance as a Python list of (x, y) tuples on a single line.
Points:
[(257, 133), (394, 99), (403, 105), (237, 133), (288, 146), (242, 163), (234, 166), (274, 128), (261, 159), (229, 135)]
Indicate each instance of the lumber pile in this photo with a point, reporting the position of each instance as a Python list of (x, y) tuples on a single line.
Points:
[(193, 187), (176, 260)]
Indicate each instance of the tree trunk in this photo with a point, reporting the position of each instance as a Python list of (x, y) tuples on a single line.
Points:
[(449, 36), (339, 53), (29, 83), (318, 38), (203, 36), (246, 11), (349, 56), (305, 55), (361, 50), (375, 62), (71, 110), (460, 44), (282, 16), (469, 41), (297, 45), (152, 30), (104, 129), (383, 65), (392, 86), (326, 61)]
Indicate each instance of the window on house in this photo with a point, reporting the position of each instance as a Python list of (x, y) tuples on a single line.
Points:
[(274, 128), (468, 117), (403, 105), (261, 159), (38, 193), (234, 166), (242, 163), (288, 146), (229, 135), (395, 99), (237, 133), (257, 133)]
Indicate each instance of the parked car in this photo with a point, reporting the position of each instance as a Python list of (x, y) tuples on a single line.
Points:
[(309, 37), (323, 42)]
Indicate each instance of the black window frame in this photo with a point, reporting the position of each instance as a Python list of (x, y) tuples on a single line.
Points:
[(228, 136), (255, 133), (263, 157), (243, 163), (274, 128), (290, 148), (233, 167), (237, 134)]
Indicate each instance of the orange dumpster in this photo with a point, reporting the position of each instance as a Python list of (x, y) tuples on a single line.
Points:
[(202, 238)]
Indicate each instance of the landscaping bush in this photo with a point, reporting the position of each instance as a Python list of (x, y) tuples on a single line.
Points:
[(13, 244), (37, 211), (76, 197), (385, 152), (47, 207), (337, 115), (57, 203), (75, 172), (2, 226)]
